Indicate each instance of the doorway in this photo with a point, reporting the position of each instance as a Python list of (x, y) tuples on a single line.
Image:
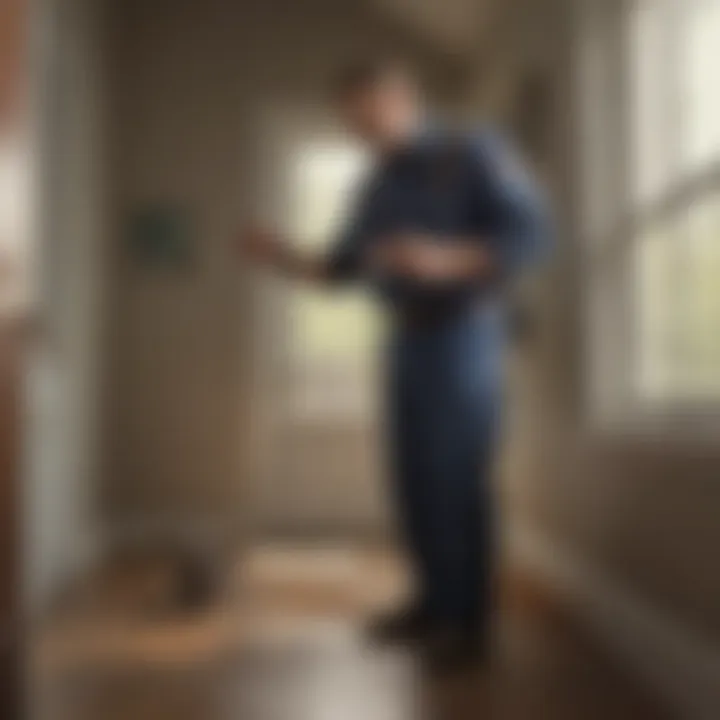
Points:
[(321, 474)]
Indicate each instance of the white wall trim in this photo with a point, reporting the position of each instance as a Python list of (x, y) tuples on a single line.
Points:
[(676, 665)]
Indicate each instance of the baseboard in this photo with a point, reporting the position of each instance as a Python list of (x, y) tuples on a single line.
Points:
[(677, 666)]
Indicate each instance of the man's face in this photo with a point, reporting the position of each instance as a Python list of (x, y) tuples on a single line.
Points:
[(382, 113)]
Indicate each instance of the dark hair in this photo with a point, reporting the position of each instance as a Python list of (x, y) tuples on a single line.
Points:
[(367, 72)]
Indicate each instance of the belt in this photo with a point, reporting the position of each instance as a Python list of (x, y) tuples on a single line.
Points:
[(427, 316)]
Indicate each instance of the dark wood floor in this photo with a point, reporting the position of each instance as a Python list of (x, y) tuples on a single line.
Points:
[(285, 645)]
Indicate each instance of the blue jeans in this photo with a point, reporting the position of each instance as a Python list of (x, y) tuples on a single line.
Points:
[(445, 388)]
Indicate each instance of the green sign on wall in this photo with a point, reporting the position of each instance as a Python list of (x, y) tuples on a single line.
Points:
[(161, 237)]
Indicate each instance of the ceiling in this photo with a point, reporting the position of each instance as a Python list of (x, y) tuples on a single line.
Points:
[(454, 25)]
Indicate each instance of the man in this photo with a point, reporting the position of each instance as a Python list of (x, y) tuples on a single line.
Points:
[(441, 226)]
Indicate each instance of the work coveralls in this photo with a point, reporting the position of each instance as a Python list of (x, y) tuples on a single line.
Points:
[(446, 350)]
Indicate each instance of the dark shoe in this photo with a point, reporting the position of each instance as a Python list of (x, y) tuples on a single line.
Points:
[(405, 626), (451, 651)]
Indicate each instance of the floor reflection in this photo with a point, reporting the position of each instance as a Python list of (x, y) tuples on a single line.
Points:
[(285, 644)]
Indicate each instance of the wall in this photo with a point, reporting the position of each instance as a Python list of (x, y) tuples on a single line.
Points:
[(199, 91)]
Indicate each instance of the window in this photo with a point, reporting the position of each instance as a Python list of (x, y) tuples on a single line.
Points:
[(331, 335), (652, 170)]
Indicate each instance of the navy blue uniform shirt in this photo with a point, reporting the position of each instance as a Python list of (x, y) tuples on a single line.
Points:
[(446, 186)]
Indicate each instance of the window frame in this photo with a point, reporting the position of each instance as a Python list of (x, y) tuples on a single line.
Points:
[(611, 222)]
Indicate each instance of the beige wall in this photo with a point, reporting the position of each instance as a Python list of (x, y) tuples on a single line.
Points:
[(192, 87)]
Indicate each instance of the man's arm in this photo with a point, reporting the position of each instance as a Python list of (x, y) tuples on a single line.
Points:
[(269, 250), (344, 261), (518, 215)]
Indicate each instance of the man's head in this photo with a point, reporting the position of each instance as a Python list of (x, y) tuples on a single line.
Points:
[(379, 101)]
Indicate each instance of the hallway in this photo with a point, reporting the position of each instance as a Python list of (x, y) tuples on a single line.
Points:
[(162, 391), (286, 646)]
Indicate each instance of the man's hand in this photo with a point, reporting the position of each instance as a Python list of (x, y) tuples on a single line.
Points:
[(424, 258), (268, 249), (405, 255), (262, 246)]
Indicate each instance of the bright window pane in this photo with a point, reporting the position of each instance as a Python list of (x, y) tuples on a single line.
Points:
[(675, 136), (332, 334), (338, 328), (678, 306), (700, 74)]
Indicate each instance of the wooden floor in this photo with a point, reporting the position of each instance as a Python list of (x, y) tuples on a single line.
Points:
[(285, 645)]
